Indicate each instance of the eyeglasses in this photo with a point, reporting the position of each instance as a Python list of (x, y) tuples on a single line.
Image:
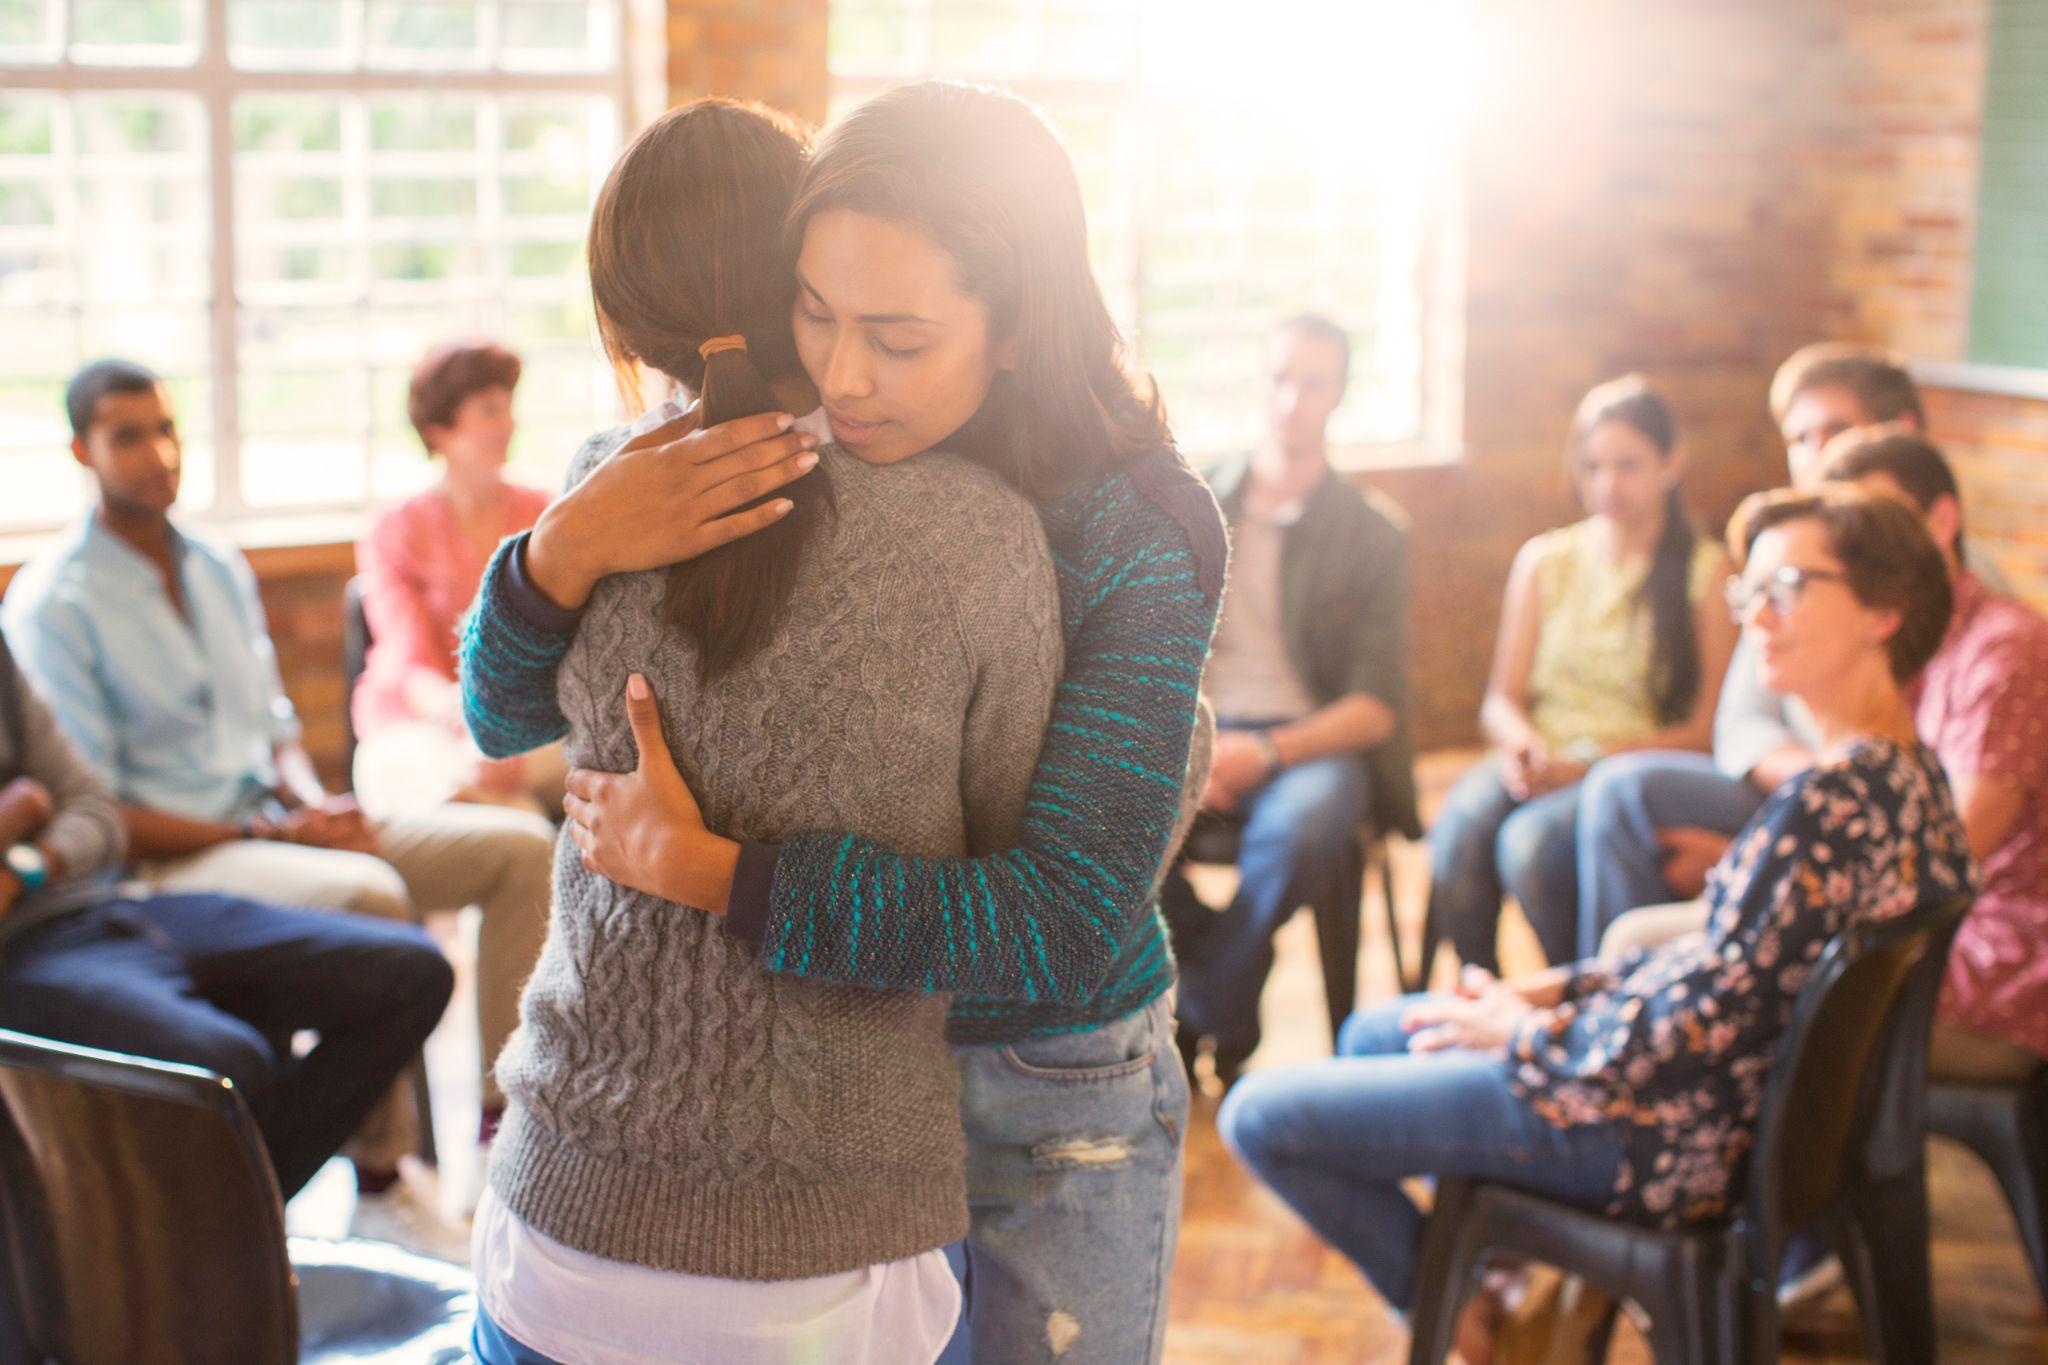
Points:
[(1782, 588)]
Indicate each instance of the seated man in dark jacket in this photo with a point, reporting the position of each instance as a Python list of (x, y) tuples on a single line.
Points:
[(1308, 681)]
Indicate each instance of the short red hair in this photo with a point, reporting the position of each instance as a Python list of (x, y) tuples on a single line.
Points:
[(448, 374)]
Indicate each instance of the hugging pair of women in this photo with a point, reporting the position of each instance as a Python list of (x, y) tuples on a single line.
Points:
[(879, 670)]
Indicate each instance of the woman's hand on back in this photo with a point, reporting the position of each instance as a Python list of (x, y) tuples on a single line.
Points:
[(644, 829), (669, 495)]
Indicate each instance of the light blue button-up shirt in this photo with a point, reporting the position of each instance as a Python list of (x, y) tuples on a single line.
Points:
[(178, 713)]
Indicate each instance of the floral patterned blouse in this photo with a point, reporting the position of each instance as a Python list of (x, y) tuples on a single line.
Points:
[(1675, 1044)]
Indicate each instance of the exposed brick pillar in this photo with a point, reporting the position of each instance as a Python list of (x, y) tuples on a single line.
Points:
[(767, 50)]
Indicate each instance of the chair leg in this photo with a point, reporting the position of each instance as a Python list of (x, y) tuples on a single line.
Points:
[(1702, 1323), (1883, 1240), (2016, 1149), (2024, 1176), (1432, 935), (1337, 916), (1602, 1339), (1450, 1253), (423, 1101)]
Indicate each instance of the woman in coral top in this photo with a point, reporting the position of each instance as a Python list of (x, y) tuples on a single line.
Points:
[(420, 566)]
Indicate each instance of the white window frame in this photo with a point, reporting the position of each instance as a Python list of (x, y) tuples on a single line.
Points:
[(216, 82), (1441, 264)]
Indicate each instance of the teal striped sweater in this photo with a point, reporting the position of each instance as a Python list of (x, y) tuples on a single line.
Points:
[(1060, 932)]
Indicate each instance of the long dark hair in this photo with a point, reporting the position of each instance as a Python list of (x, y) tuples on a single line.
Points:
[(686, 245), (984, 176), (1667, 587)]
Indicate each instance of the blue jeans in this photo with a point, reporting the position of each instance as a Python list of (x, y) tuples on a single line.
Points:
[(225, 983), (1486, 844), (1299, 831), (493, 1345), (1626, 800), (1335, 1139), (1073, 1180)]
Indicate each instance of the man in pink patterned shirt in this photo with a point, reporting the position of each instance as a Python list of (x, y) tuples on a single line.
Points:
[(1982, 706)]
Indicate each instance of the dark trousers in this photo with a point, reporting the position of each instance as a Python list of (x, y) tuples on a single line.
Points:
[(1298, 832), (225, 983)]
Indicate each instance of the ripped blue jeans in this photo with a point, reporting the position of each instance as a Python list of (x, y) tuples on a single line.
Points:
[(1073, 1179)]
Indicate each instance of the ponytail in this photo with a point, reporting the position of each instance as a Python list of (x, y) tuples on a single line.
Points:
[(1674, 645), (728, 601)]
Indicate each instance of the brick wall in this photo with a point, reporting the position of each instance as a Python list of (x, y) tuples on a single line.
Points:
[(1999, 446), (1694, 191), (767, 50), (1892, 161), (1627, 211), (302, 598), (1893, 174)]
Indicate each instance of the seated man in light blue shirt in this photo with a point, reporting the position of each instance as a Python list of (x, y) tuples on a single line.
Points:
[(152, 647), (1652, 823)]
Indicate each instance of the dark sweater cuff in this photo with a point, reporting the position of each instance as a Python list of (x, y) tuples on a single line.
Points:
[(751, 903), (526, 601)]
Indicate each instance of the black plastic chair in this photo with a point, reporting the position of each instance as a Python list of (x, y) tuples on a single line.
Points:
[(145, 1226), (1840, 1145), (1338, 911), (2007, 1127), (355, 655)]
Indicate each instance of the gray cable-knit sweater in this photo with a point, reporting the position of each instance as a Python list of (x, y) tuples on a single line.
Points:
[(671, 1103)]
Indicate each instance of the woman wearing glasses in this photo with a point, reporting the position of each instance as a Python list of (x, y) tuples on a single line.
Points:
[(1634, 1086), (1602, 649)]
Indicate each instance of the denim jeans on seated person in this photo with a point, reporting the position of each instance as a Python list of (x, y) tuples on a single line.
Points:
[(225, 983), (1623, 802), (1074, 1145), (1486, 844), (1299, 830), (1335, 1139)]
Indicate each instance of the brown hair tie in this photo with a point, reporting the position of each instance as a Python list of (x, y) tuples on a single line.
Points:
[(735, 342)]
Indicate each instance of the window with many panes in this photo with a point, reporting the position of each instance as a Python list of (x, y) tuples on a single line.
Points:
[(1240, 164), (280, 205)]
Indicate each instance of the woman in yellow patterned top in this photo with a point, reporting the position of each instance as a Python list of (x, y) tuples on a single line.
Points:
[(1602, 649)]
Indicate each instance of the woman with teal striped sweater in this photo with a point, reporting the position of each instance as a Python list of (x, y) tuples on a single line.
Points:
[(1074, 1100)]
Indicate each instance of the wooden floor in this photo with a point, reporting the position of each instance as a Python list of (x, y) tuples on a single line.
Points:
[(1253, 1286)]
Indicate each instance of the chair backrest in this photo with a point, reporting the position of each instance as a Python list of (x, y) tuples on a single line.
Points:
[(355, 656), (1848, 1091), (145, 1224)]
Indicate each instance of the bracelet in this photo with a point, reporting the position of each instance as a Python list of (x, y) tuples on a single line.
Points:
[(1269, 752)]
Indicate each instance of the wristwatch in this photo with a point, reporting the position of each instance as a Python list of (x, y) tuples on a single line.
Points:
[(1269, 752), (27, 863)]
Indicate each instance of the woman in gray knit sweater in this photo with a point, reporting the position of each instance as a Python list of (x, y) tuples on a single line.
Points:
[(881, 660)]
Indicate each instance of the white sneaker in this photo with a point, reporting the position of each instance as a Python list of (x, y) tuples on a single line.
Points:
[(408, 1214)]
